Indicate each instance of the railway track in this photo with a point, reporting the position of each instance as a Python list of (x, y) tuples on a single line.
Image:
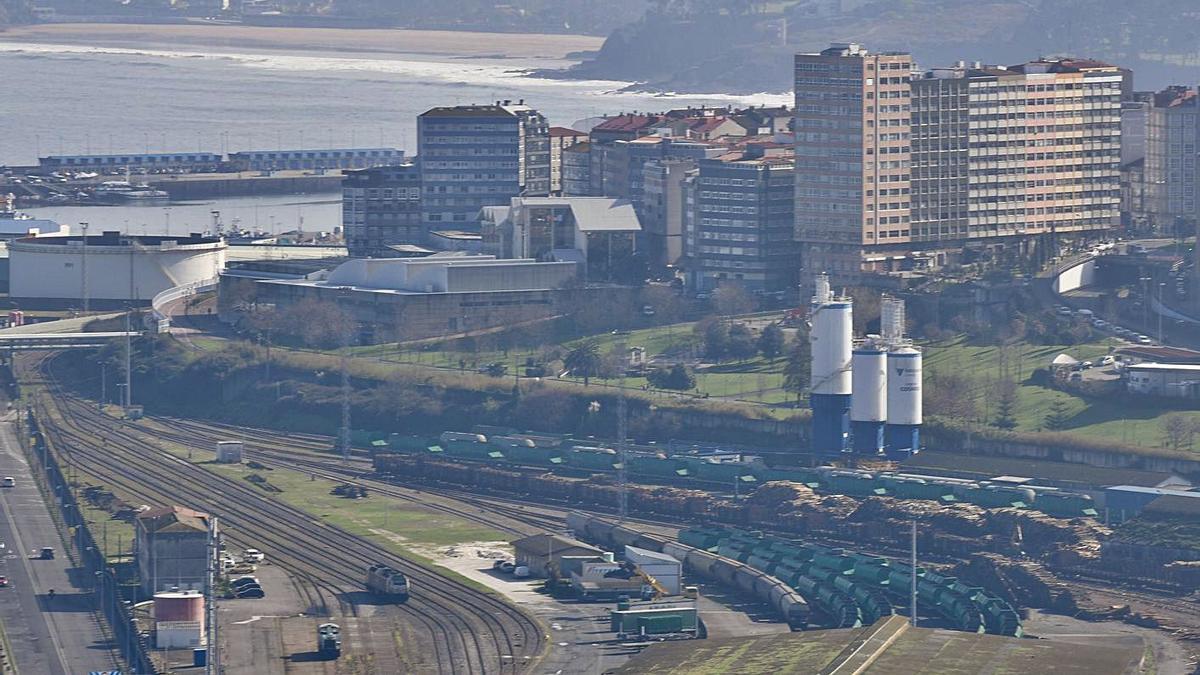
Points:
[(464, 630), (312, 453)]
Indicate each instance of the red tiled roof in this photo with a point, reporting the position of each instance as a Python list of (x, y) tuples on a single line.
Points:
[(564, 131), (626, 123)]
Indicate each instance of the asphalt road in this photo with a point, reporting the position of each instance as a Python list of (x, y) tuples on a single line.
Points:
[(60, 635)]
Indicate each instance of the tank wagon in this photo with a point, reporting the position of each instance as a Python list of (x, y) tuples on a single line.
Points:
[(477, 453), (849, 587), (329, 640), (791, 606), (385, 581)]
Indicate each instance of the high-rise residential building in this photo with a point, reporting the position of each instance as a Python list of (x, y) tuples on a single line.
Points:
[(743, 221), (577, 170), (479, 155), (852, 118), (1003, 155), (1172, 130), (967, 157), (661, 209), (381, 207), (561, 138)]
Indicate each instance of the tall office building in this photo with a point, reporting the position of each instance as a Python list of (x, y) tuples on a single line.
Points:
[(381, 207), (852, 155), (899, 171), (480, 155)]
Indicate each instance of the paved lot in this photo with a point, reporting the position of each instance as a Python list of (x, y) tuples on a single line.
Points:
[(60, 635)]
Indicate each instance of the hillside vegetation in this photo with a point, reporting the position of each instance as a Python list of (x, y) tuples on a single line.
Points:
[(720, 46)]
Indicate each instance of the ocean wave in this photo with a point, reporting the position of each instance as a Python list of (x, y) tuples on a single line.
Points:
[(453, 71)]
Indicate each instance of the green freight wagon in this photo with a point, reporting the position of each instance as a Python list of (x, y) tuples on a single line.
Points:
[(654, 620)]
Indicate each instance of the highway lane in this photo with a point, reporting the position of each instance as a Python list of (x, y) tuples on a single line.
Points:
[(60, 635)]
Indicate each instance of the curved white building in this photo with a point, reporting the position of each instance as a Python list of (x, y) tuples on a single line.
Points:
[(110, 268)]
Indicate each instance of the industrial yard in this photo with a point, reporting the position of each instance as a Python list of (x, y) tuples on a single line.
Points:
[(473, 515)]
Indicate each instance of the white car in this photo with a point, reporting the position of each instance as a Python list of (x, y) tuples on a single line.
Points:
[(9, 481), (253, 556), (1144, 340)]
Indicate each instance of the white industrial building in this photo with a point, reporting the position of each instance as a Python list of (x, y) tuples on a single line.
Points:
[(666, 570), (110, 268), (1164, 379)]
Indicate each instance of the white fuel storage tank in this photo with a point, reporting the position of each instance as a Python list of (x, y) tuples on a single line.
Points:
[(868, 405), (904, 402)]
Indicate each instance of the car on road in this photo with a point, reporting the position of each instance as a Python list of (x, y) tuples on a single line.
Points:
[(47, 553), (3, 581), (9, 481), (1144, 340)]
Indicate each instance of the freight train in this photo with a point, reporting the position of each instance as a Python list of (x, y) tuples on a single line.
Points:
[(388, 582), (843, 584), (791, 606), (329, 641), (731, 472)]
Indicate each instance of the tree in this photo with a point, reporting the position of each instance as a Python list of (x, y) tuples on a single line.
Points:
[(797, 371), (771, 342), (951, 395), (1058, 416), (1006, 403), (1179, 431), (584, 360), (731, 299), (715, 335), (677, 377), (741, 342)]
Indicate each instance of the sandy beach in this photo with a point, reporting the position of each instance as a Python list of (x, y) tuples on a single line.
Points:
[(376, 41)]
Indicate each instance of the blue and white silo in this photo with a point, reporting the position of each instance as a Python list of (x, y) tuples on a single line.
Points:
[(902, 435), (830, 335), (868, 406)]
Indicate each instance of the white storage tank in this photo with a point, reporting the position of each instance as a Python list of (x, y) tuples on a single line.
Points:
[(112, 268), (868, 405), (904, 402), (229, 452), (178, 619), (831, 337)]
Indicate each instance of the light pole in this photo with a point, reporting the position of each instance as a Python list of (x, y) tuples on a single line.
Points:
[(1161, 307), (83, 280)]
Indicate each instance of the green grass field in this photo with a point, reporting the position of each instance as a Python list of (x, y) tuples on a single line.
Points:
[(1119, 419)]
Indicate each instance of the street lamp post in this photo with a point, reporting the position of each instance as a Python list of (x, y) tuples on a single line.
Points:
[(1161, 285)]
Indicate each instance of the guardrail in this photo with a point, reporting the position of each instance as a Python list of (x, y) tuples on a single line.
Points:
[(157, 320)]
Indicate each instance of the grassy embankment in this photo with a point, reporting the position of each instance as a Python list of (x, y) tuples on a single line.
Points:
[(1116, 419)]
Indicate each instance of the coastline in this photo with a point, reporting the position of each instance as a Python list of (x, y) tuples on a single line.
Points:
[(397, 41)]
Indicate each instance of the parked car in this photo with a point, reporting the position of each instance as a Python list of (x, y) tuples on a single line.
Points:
[(242, 582), (253, 555), (1144, 340), (253, 591), (9, 481)]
